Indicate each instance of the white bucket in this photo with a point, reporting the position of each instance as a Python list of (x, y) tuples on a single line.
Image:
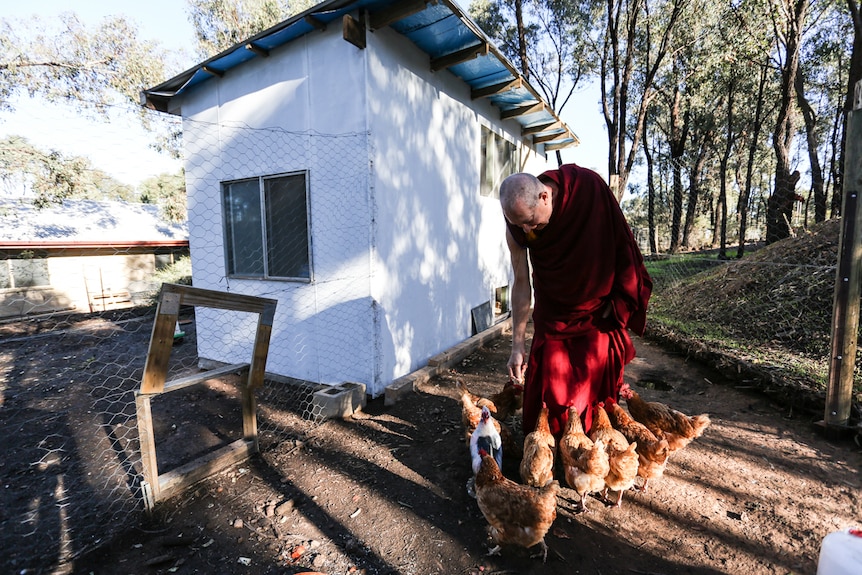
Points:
[(841, 553)]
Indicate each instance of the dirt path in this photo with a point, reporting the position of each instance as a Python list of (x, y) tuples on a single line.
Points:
[(384, 492)]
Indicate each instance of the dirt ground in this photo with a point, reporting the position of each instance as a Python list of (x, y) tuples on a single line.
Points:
[(384, 492)]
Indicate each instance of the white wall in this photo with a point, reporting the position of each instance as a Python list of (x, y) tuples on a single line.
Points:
[(270, 116), (403, 245), (440, 247)]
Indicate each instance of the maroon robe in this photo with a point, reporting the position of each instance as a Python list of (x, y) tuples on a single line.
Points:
[(584, 259)]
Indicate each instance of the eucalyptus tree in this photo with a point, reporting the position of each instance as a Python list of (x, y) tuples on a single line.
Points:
[(548, 39), (220, 24), (788, 22), (636, 35), (65, 61), (819, 89), (49, 177)]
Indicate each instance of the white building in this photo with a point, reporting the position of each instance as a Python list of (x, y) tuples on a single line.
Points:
[(361, 142)]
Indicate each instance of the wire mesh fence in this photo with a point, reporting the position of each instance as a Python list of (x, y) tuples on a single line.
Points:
[(71, 469)]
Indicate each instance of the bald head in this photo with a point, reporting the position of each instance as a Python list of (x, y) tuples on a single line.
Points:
[(520, 191), (526, 201)]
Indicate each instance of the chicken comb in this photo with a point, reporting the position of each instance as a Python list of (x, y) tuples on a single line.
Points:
[(610, 401)]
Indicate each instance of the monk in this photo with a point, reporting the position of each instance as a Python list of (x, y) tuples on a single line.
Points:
[(590, 287)]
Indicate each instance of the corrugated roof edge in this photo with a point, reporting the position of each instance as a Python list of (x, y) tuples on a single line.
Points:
[(544, 125)]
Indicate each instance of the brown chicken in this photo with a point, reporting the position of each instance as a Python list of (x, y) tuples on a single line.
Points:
[(652, 451), (676, 427), (585, 464), (517, 514), (502, 404), (622, 456), (537, 462)]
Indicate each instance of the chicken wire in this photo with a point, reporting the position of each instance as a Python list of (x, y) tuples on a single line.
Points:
[(71, 471)]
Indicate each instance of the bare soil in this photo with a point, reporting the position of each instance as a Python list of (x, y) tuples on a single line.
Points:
[(384, 492)]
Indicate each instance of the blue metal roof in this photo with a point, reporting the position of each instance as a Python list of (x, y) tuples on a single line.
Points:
[(437, 27)]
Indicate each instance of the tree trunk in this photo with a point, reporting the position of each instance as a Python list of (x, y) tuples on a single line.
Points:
[(725, 159), (779, 206), (522, 39), (679, 133), (809, 116), (653, 245), (745, 193)]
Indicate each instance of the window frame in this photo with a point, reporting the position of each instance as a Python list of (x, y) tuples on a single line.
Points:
[(227, 232), (494, 190)]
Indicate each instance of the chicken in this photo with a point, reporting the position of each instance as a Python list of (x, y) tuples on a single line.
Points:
[(622, 456), (537, 462), (471, 414), (652, 451), (502, 404), (665, 422), (585, 464), (517, 514), (486, 438)]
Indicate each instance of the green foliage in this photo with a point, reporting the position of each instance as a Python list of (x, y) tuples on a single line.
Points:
[(168, 191), (50, 177), (220, 24), (179, 272), (67, 62)]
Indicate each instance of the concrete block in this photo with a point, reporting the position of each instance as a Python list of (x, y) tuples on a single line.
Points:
[(339, 400)]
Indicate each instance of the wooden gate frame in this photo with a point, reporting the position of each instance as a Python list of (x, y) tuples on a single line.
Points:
[(160, 487)]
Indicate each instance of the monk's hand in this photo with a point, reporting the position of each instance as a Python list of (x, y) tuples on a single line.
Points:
[(517, 366)]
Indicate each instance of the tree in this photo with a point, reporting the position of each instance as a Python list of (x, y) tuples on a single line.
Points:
[(168, 191), (788, 23), (220, 24), (549, 38), (93, 69), (632, 45), (49, 177)]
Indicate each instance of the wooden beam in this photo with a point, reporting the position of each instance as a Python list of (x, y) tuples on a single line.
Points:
[(203, 377), (316, 23), (541, 128), (522, 111), (161, 343), (399, 10), (257, 49), (460, 56), (548, 137), (213, 71), (219, 300), (353, 30), (496, 89), (177, 480), (551, 147)]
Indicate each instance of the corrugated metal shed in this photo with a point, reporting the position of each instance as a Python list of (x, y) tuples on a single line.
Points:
[(438, 27)]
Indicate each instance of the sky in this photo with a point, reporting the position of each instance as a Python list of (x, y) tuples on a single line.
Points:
[(121, 147)]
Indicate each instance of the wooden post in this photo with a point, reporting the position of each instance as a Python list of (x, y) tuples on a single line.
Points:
[(845, 309)]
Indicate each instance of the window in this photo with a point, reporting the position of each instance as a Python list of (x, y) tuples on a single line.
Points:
[(499, 159), (266, 227)]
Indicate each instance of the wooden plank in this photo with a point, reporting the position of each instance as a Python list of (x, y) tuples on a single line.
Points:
[(217, 299), (541, 128), (213, 374), (147, 440), (496, 89), (249, 417), (353, 30), (522, 111), (161, 343), (397, 11), (460, 56), (259, 355), (549, 137), (175, 481)]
